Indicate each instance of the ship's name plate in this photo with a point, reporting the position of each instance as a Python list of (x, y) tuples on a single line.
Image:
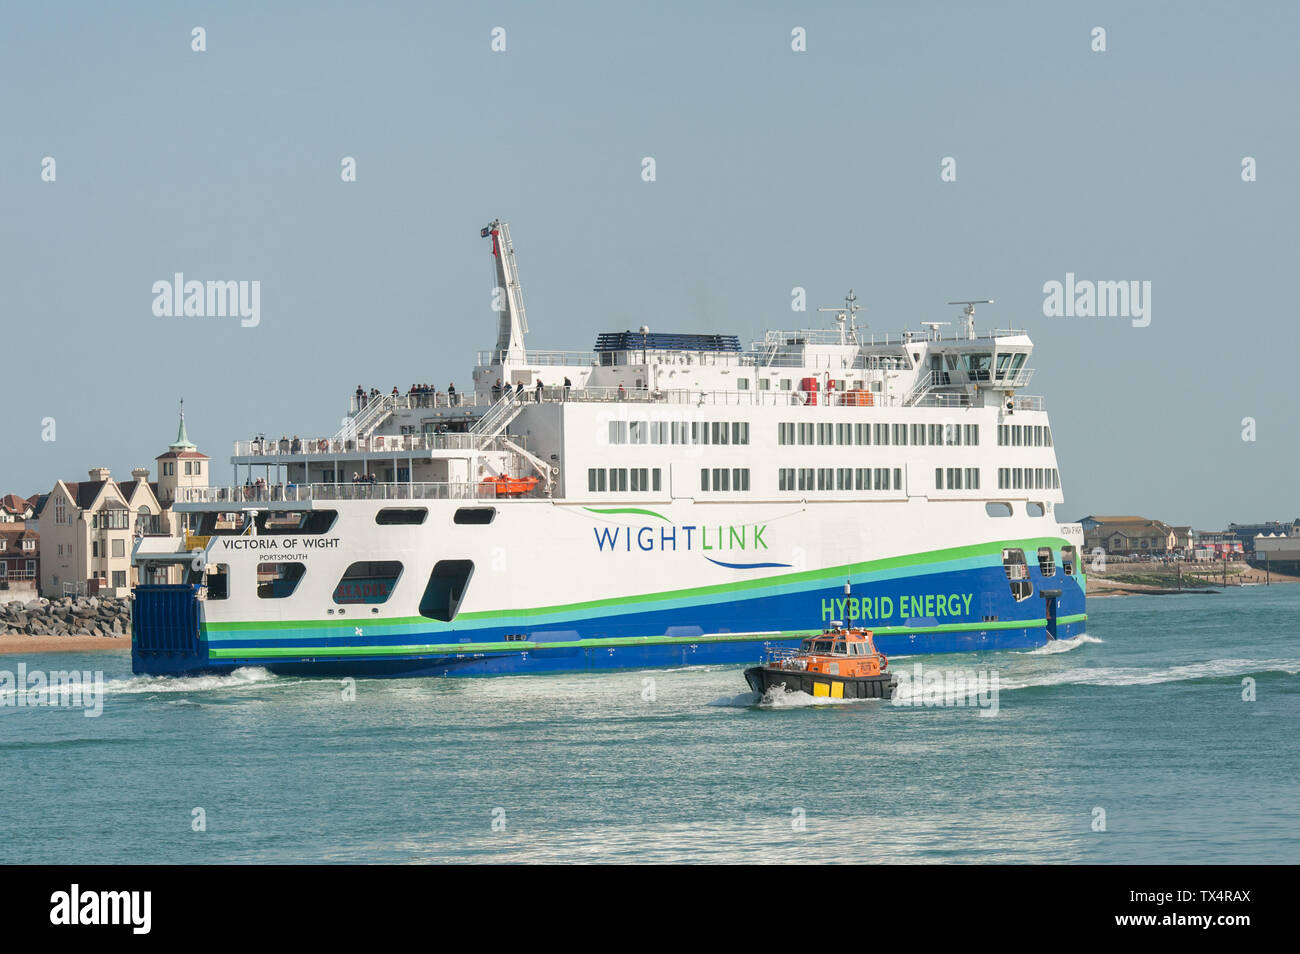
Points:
[(297, 544)]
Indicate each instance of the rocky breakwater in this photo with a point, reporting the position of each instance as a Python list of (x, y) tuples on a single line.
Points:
[(69, 616)]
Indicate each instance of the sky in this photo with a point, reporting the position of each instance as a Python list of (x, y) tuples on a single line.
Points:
[(775, 168)]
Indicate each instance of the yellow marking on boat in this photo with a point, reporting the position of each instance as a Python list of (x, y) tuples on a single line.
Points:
[(821, 689), (837, 690)]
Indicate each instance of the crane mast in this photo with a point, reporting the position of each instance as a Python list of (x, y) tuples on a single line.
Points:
[(512, 325)]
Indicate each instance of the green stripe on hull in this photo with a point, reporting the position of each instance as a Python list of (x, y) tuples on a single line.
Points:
[(954, 558), (610, 642)]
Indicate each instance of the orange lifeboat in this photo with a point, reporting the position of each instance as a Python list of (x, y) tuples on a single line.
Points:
[(506, 486)]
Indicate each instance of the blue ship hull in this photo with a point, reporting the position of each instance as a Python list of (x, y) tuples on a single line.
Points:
[(721, 631)]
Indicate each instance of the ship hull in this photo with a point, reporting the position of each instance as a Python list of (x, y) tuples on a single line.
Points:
[(727, 625), (765, 679)]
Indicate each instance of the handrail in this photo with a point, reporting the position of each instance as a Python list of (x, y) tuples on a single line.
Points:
[(377, 444), (239, 497)]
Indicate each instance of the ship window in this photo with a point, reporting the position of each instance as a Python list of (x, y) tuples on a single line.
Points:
[(839, 648), (218, 581), (1067, 560), (1017, 571), (275, 581), (298, 523), (483, 515), (997, 508), (368, 581), (446, 589), (1034, 508), (822, 646), (1045, 562), (396, 516)]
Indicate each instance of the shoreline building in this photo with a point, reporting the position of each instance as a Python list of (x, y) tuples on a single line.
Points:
[(90, 527), (1130, 536), (20, 559)]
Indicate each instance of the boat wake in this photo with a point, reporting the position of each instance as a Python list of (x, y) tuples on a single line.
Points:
[(1128, 676), (1061, 645), (742, 701), (244, 677)]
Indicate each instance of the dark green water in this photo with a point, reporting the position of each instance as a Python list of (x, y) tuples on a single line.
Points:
[(1148, 724)]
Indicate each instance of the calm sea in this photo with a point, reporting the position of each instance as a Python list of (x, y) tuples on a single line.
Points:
[(1133, 744)]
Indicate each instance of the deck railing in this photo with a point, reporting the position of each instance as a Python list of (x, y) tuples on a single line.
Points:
[(240, 497), (378, 445)]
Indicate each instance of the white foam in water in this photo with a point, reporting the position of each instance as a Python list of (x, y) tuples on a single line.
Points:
[(778, 698), (1121, 676), (742, 701), (1061, 645), (243, 677)]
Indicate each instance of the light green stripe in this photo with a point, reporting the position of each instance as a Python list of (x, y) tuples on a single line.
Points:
[(633, 510), (500, 648)]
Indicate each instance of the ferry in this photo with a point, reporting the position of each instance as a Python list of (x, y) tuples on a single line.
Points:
[(667, 498)]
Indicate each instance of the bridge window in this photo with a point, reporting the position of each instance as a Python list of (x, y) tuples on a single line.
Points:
[(275, 581), (403, 516), (368, 581), (446, 589)]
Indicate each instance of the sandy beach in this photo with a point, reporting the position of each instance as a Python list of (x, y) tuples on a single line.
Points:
[(12, 643)]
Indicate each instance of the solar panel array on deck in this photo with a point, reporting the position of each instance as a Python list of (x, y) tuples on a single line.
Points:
[(661, 341)]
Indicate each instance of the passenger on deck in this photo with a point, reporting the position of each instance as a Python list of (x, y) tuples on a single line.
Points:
[(519, 390), (539, 390), (567, 385)]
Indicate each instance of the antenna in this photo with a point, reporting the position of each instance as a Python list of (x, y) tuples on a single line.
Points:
[(934, 327), (969, 312), (846, 317)]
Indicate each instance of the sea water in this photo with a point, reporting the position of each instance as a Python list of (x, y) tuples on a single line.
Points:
[(1171, 733)]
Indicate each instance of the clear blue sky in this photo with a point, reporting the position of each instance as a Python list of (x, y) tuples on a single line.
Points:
[(775, 169)]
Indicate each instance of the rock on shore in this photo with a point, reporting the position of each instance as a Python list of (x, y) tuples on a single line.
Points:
[(69, 616)]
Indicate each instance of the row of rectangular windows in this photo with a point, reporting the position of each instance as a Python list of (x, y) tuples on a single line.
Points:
[(840, 478), (724, 478), (679, 432), (713, 479), (1028, 478), (957, 478), (1024, 435), (881, 435), (600, 479)]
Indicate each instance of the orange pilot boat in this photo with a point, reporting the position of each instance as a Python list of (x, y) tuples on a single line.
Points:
[(838, 664)]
